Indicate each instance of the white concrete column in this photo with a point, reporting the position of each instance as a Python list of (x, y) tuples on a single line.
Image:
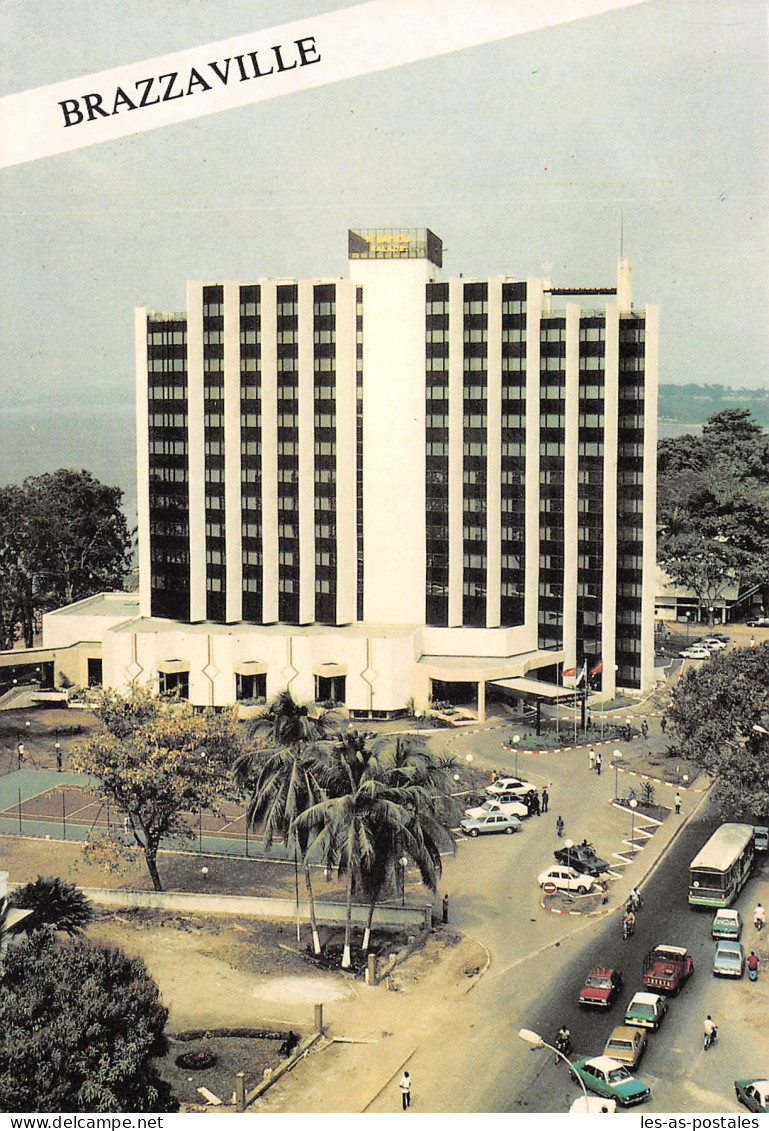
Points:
[(142, 461), (649, 496), (268, 368), (456, 445), (610, 439), (494, 456), (196, 446), (306, 430), (570, 485), (346, 546), (233, 537), (534, 308)]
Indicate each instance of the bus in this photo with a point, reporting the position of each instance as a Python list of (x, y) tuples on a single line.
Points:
[(721, 867)]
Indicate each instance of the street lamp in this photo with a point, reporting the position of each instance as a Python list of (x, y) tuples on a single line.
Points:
[(403, 862), (688, 617), (617, 760), (534, 1039), (468, 758), (633, 807), (516, 740)]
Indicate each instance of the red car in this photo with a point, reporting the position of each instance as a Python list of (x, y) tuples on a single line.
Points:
[(666, 968), (601, 987)]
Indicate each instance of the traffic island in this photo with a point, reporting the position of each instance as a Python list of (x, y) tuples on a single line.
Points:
[(565, 903)]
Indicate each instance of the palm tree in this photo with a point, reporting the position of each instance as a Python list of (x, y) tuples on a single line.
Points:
[(281, 776), (55, 903), (383, 802)]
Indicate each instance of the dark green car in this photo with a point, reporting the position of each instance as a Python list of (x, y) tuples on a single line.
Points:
[(753, 1093), (607, 1077)]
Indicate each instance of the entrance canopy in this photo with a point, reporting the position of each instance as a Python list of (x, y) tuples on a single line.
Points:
[(537, 687)]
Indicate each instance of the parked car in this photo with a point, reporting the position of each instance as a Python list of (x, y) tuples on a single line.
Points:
[(646, 1011), (511, 808), (729, 959), (761, 837), (601, 988), (758, 622), (712, 643), (608, 1077), (666, 968), (491, 823), (508, 797), (695, 652), (566, 879), (754, 1094), (626, 1045), (727, 924), (583, 858), (510, 785), (718, 636)]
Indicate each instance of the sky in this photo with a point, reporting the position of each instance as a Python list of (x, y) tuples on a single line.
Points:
[(644, 128)]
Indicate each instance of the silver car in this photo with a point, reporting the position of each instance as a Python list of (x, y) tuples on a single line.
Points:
[(729, 959)]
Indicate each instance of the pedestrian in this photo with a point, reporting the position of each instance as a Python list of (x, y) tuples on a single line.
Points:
[(559, 825), (598, 763), (57, 748), (535, 803), (752, 964), (405, 1087), (545, 799), (589, 722), (445, 908), (644, 728), (677, 802), (663, 724), (493, 776), (591, 757)]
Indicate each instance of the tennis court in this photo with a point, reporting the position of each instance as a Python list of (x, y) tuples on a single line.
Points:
[(70, 810)]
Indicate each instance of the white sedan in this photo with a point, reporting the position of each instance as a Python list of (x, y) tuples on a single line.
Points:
[(510, 808), (566, 879), (695, 652), (511, 785)]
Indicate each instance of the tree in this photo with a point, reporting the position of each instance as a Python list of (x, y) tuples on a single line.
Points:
[(63, 536), (160, 763), (715, 711), (280, 776), (713, 506), (79, 1026), (384, 802), (53, 903)]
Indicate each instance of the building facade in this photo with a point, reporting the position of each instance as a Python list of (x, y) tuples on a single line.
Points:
[(391, 486)]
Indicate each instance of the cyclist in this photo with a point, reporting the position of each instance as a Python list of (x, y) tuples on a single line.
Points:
[(628, 923)]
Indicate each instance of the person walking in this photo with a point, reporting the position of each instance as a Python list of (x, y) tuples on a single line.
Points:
[(677, 802), (405, 1087), (598, 763), (591, 757), (645, 729), (663, 724), (445, 908), (545, 799), (535, 809), (559, 825), (752, 965)]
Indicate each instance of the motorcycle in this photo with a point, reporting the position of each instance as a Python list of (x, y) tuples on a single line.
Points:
[(634, 902), (710, 1038), (628, 929), (562, 1044), (759, 922)]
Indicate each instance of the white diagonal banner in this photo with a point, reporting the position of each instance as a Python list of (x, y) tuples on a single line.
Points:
[(266, 64)]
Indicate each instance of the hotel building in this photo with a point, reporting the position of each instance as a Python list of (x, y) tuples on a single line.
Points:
[(393, 487)]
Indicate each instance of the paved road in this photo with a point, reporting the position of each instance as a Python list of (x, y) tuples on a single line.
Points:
[(539, 961)]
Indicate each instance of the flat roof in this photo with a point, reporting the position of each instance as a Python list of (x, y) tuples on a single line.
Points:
[(537, 687), (725, 843)]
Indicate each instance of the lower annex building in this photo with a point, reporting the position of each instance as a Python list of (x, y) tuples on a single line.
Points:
[(392, 488)]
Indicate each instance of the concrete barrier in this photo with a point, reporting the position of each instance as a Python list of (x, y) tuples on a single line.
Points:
[(328, 913)]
